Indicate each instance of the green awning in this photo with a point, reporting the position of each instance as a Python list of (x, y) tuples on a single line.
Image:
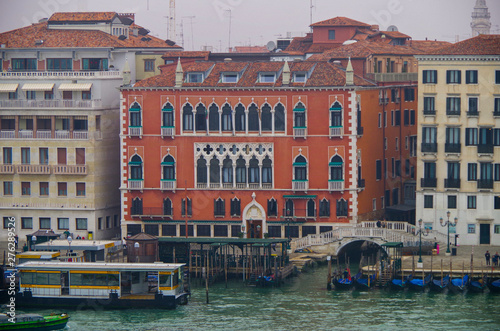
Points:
[(300, 196), (299, 164), (134, 109), (168, 163), (168, 109), (299, 109), (335, 163)]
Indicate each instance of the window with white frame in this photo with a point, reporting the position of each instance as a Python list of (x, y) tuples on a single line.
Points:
[(267, 77), (230, 77), (135, 167), (194, 77), (300, 168)]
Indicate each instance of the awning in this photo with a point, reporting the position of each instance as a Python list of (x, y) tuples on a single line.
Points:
[(299, 196), (8, 87), (75, 87), (38, 87)]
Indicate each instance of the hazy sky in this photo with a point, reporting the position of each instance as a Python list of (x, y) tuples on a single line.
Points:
[(255, 22)]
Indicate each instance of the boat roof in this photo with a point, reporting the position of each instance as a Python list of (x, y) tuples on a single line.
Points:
[(38, 255), (98, 266), (78, 244)]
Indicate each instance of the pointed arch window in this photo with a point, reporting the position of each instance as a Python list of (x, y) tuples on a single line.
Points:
[(324, 208), (168, 167), (219, 208), (201, 117), (300, 168), (253, 171), (167, 207), (201, 171), (167, 116), (227, 171), (299, 116), (235, 207), (253, 118), (240, 121), (213, 118), (272, 207), (227, 121), (336, 168), (311, 208), (341, 207), (289, 208), (336, 115), (214, 171), (241, 171), (136, 208), (189, 206), (135, 166), (279, 117), (187, 117), (266, 118), (135, 117), (267, 170)]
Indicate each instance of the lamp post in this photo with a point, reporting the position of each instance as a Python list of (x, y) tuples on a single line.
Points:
[(420, 232), (287, 220), (136, 248), (33, 242), (258, 230), (447, 224), (69, 244)]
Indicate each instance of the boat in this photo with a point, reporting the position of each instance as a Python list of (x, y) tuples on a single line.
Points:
[(106, 285), (459, 284), (342, 283), (398, 284), (364, 284), (419, 284), (477, 286), (33, 322), (265, 281), (439, 285), (494, 286)]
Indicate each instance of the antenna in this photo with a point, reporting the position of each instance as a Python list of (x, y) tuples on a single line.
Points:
[(229, 42), (192, 34), (171, 22), (311, 14)]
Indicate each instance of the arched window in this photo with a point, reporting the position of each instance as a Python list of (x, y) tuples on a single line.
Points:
[(135, 119), (135, 167), (235, 207), (240, 121), (227, 171), (187, 117), (241, 171), (279, 117), (168, 166), (299, 116), (219, 208), (201, 171), (336, 168), (336, 115), (300, 168), (253, 118), (341, 207), (253, 171), (213, 118), (311, 208), (272, 207), (227, 121), (214, 171), (266, 118), (167, 114), (201, 118), (267, 170), (324, 208), (289, 208), (167, 207), (136, 208)]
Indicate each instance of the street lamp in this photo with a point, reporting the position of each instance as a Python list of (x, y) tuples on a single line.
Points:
[(420, 232), (69, 244), (33, 242), (136, 246), (287, 219), (447, 224)]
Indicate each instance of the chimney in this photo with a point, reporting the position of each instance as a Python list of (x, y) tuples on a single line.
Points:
[(179, 74), (135, 32), (126, 74), (286, 74), (349, 74)]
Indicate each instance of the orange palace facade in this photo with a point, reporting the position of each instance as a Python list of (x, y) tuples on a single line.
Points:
[(250, 149)]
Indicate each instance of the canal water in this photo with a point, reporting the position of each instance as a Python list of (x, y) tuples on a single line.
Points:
[(303, 303)]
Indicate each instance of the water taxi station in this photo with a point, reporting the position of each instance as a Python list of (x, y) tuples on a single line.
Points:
[(106, 285)]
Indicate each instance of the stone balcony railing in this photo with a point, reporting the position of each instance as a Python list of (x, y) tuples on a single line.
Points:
[(45, 75), (336, 131), (86, 104), (47, 134), (65, 169), (168, 184), (6, 169), (300, 185), (33, 169), (335, 185)]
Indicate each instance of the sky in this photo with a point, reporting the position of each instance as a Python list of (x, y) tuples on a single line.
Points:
[(224, 23)]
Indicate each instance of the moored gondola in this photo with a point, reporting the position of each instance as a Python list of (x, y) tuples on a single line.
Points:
[(419, 284), (439, 285), (364, 284), (494, 285), (458, 285), (398, 284), (477, 285)]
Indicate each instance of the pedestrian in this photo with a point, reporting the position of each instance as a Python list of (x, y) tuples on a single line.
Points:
[(487, 257), (379, 224), (496, 259)]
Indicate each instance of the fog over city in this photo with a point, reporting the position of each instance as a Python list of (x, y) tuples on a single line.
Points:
[(224, 23)]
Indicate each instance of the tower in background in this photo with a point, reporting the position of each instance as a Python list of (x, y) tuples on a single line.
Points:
[(480, 19)]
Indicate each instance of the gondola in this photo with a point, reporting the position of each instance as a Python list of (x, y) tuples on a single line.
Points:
[(398, 284), (477, 286), (458, 285), (439, 285), (364, 284), (345, 283), (265, 281), (419, 284), (494, 286)]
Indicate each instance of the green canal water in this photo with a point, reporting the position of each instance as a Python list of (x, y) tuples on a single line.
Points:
[(303, 303)]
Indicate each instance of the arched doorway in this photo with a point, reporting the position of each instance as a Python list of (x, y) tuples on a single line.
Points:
[(254, 219)]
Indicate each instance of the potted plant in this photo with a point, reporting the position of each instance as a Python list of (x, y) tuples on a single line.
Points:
[(266, 235)]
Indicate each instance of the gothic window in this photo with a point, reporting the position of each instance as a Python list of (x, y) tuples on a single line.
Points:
[(168, 166), (336, 168), (272, 207), (227, 121), (201, 171), (201, 118), (240, 118), (311, 208), (253, 118), (187, 117), (189, 207), (213, 118), (253, 171), (266, 118), (227, 171), (135, 115), (167, 207), (235, 207), (219, 208), (324, 208), (267, 170), (214, 171), (279, 117), (341, 207), (135, 165), (336, 115), (299, 116), (241, 171), (300, 168), (289, 208), (167, 113), (136, 208)]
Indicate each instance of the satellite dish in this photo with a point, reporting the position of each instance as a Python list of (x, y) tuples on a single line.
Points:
[(392, 28), (271, 46)]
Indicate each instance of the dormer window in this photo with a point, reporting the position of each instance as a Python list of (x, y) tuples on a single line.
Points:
[(267, 77), (230, 77), (299, 77), (194, 77)]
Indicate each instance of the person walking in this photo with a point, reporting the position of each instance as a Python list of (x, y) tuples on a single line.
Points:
[(496, 259), (487, 257)]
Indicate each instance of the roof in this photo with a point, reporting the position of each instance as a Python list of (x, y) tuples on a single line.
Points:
[(223, 240), (78, 244), (480, 45), (340, 21), (63, 266), (83, 17), (322, 74), (40, 36), (44, 233), (142, 237), (187, 54)]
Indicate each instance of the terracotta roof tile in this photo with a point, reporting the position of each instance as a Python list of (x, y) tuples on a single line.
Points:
[(187, 54), (480, 45), (82, 16), (340, 21)]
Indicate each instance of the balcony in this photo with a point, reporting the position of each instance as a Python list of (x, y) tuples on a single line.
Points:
[(300, 185), (336, 131), (485, 149), (429, 147), (450, 112), (472, 113), (393, 76), (46, 75), (7, 134), (485, 183), (33, 169), (135, 131), (168, 131), (26, 134), (80, 135), (43, 134), (136, 184), (64, 169), (452, 148), (299, 132), (452, 182), (335, 185), (168, 184), (430, 112), (86, 104), (428, 182), (6, 169)]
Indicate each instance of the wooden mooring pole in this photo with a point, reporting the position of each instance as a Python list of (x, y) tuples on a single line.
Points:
[(329, 278)]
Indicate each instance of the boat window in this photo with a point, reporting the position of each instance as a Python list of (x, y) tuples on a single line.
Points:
[(136, 277), (76, 279), (175, 280), (114, 280), (101, 279), (165, 280), (27, 278)]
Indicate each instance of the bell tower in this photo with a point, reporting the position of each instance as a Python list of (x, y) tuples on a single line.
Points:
[(480, 19)]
